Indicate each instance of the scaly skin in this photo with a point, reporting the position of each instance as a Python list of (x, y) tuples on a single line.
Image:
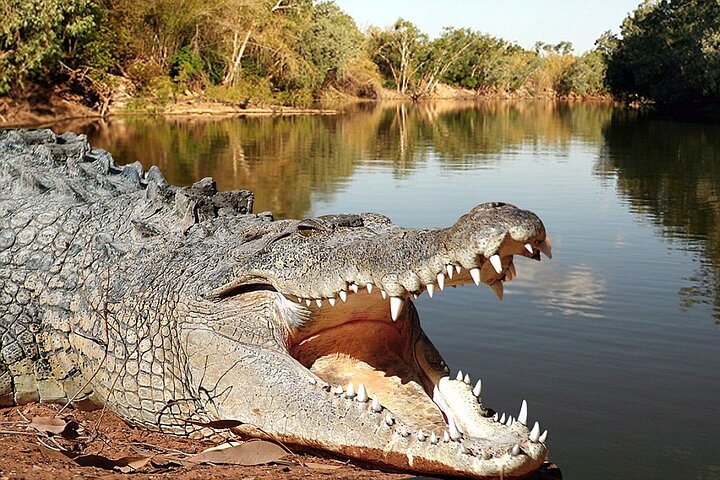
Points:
[(173, 304)]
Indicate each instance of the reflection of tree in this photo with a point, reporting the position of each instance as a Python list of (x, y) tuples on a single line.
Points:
[(670, 172), (284, 160)]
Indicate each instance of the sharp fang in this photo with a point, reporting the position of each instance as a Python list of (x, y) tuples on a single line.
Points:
[(502, 418), (308, 302), (396, 304), (458, 268), (496, 263), (543, 437), (522, 416), (389, 420), (312, 381), (466, 379), (430, 288), (318, 302), (362, 395), (498, 289), (369, 287), (454, 432), (343, 295), (529, 248), (338, 390), (475, 274), (350, 392), (478, 389), (459, 376), (299, 300), (353, 287), (545, 248), (375, 406), (446, 436), (535, 433), (331, 301), (516, 450), (421, 436), (441, 280), (495, 417), (509, 420), (486, 455), (450, 270), (446, 369), (464, 450), (433, 438), (383, 293)]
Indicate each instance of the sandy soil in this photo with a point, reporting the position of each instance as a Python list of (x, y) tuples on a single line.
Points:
[(24, 457)]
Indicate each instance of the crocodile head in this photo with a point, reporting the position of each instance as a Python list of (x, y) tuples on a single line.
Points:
[(350, 370)]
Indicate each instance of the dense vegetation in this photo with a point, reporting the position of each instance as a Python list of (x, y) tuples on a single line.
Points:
[(296, 52), (668, 52), (260, 51)]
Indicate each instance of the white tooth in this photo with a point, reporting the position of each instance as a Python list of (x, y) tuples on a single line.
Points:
[(450, 270), (516, 450), (475, 274), (529, 248), (509, 420), (375, 405), (369, 287), (389, 420), (543, 437), (396, 304), (458, 268), (535, 433), (415, 296), (459, 376), (331, 301), (545, 248), (430, 288), (318, 302), (464, 450), (362, 395), (343, 295), (421, 436), (433, 438), (442, 363), (312, 381), (446, 436), (477, 391), (338, 390), (353, 287), (496, 263), (441, 280), (498, 289), (495, 417), (446, 369), (466, 379), (502, 418), (454, 432), (299, 299), (522, 417), (350, 392), (308, 302), (383, 293), (486, 455)]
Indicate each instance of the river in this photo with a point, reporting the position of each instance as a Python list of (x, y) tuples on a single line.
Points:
[(615, 342)]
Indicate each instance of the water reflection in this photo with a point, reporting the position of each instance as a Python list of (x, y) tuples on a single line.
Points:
[(669, 172)]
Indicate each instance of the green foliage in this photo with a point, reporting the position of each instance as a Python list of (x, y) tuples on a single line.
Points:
[(186, 66), (36, 35), (586, 75), (669, 53)]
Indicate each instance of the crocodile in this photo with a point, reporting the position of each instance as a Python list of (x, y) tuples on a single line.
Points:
[(177, 307)]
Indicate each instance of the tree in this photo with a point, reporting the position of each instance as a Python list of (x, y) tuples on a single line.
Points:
[(36, 35), (669, 52), (395, 51)]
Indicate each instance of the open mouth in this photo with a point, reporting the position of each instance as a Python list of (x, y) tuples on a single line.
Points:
[(367, 346)]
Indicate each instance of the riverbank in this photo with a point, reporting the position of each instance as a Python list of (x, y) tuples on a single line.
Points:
[(45, 108)]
